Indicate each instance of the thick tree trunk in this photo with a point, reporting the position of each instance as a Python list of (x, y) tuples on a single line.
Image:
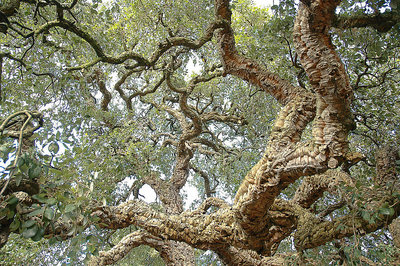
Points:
[(173, 252), (177, 253)]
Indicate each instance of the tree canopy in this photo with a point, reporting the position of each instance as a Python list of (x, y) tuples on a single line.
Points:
[(270, 136)]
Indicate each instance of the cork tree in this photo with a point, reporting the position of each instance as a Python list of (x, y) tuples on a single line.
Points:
[(268, 135)]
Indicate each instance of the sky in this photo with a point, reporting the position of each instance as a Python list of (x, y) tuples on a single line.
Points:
[(265, 3)]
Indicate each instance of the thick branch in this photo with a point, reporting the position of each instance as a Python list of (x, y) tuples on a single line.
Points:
[(245, 68), (375, 199), (286, 159), (166, 191), (312, 187), (236, 257), (205, 231), (326, 73), (321, 233), (129, 242), (382, 22)]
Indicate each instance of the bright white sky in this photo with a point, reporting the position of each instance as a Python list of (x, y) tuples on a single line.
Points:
[(265, 3)]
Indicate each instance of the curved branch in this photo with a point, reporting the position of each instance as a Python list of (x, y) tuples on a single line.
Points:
[(190, 130), (375, 199), (214, 116), (204, 175), (246, 68), (210, 231), (99, 77), (102, 56), (237, 257), (312, 187), (127, 243), (326, 73)]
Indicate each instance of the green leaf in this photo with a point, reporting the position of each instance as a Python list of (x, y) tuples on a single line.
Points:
[(386, 211), (15, 225), (53, 240), (4, 211), (34, 172), (72, 231), (95, 218), (54, 148), (40, 198), (20, 162), (3, 148), (49, 214), (28, 223), (39, 234), (77, 150), (10, 214), (30, 232), (51, 201), (18, 178), (36, 212), (12, 200), (366, 216), (69, 208)]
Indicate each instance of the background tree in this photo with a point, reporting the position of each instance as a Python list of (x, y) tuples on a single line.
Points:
[(288, 129)]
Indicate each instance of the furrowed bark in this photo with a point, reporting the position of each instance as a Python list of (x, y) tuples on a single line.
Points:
[(233, 256), (204, 231), (120, 250), (375, 198), (178, 253), (312, 187), (394, 229), (245, 68), (328, 77), (285, 159), (171, 252), (249, 231)]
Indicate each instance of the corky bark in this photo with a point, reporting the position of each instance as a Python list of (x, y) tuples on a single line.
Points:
[(386, 182), (286, 159)]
